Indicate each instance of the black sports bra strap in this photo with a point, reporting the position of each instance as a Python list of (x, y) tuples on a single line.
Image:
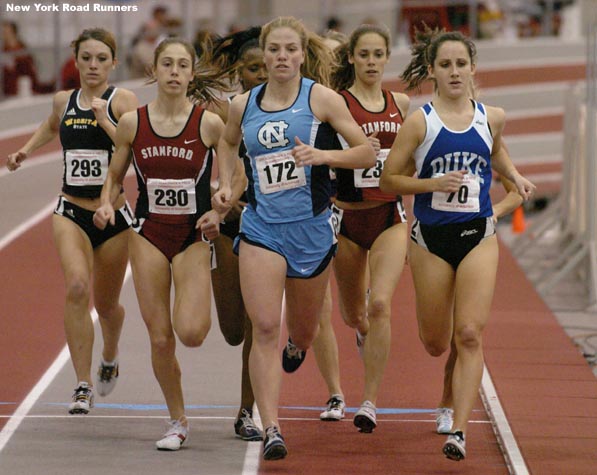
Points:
[(108, 92)]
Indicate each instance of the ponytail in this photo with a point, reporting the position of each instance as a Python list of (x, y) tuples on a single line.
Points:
[(424, 52)]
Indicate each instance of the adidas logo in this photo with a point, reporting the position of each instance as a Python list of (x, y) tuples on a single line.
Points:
[(72, 111)]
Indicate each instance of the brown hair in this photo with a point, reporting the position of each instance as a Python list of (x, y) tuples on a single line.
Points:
[(229, 51), (318, 60), (343, 75), (424, 52), (206, 81), (98, 34)]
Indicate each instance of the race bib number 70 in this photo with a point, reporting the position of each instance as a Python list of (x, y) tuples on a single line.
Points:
[(465, 200)]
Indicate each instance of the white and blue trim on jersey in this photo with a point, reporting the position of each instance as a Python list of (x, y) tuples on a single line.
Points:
[(273, 191), (444, 150)]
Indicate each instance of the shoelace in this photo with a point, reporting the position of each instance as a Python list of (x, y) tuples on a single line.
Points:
[(334, 403), (369, 409), (108, 372), (293, 352), (249, 425), (272, 433), (443, 413), (247, 420), (176, 429), (82, 394)]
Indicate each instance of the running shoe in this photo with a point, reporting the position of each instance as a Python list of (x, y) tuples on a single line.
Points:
[(107, 376), (335, 409), (361, 343), (245, 427), (454, 448), (274, 447), (444, 417), (365, 418), (82, 399), (292, 357), (174, 437)]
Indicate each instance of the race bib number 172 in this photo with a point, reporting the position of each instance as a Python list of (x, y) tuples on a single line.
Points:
[(278, 172)]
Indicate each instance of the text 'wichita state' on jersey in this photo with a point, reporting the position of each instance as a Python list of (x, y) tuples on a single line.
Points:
[(87, 148)]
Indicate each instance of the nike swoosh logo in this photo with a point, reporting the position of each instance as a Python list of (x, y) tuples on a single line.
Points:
[(294, 111), (303, 270), (394, 114), (187, 142)]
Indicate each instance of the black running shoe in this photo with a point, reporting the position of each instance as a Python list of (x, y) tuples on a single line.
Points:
[(454, 448), (292, 357), (245, 427), (274, 447)]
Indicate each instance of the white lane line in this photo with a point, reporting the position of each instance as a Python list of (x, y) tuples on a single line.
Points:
[(34, 161), (18, 131), (501, 427), (253, 453), (15, 420), (25, 226), (23, 410)]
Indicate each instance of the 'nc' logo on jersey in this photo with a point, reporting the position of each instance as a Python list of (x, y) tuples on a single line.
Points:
[(271, 134)]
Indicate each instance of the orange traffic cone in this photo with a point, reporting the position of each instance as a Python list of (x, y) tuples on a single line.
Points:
[(518, 224)]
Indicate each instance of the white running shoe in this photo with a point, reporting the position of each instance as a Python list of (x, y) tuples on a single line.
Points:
[(335, 409), (365, 418), (454, 447), (107, 376), (82, 399), (174, 437), (444, 417)]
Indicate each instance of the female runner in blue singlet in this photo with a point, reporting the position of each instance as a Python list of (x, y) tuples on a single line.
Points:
[(452, 143)]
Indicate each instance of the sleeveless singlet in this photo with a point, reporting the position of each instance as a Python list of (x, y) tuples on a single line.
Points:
[(363, 184), (444, 150), (173, 173), (87, 148)]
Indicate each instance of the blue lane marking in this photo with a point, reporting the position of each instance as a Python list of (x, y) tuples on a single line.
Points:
[(142, 407), (161, 407), (379, 410)]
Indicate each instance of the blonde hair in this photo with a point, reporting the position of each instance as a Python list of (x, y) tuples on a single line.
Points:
[(318, 62)]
